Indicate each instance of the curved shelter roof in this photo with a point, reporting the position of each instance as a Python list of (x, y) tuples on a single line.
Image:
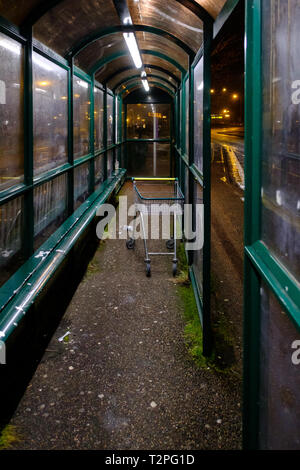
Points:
[(168, 33)]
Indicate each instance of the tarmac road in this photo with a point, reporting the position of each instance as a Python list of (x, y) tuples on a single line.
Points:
[(227, 223)]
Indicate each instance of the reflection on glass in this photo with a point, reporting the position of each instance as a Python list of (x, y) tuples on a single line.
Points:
[(98, 113), (148, 121), (187, 117), (81, 184), (50, 111), (99, 171), (11, 113), (279, 378), (50, 208), (198, 115), (110, 119), (81, 116), (281, 132), (11, 221), (117, 123), (198, 254), (148, 159), (169, 16), (110, 163)]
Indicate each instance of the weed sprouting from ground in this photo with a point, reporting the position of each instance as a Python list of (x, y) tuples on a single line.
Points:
[(221, 359), (8, 437)]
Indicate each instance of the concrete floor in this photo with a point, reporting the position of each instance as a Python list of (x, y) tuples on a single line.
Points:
[(124, 380)]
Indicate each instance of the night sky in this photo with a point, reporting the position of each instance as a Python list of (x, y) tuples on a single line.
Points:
[(228, 67)]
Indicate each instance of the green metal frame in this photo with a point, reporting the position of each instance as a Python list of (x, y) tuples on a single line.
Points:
[(203, 301), (122, 82), (14, 285), (41, 9), (138, 84), (99, 34), (155, 67), (106, 60), (260, 264), (137, 79)]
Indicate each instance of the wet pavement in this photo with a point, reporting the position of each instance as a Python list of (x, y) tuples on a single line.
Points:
[(122, 378)]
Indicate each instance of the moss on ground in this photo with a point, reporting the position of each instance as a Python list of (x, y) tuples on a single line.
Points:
[(8, 437), (93, 268), (222, 358)]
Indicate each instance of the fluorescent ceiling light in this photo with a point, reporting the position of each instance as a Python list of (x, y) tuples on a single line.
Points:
[(132, 44), (143, 74), (133, 49), (146, 85)]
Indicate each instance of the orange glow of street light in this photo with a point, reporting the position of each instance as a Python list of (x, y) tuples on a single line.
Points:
[(235, 96)]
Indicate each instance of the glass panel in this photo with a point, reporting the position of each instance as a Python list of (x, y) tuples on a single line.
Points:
[(81, 184), (186, 183), (148, 121), (11, 113), (98, 122), (81, 115), (122, 156), (118, 108), (110, 119), (99, 171), (198, 254), (198, 115), (157, 61), (158, 43), (180, 116), (11, 223), (64, 25), (50, 114), (123, 123), (148, 159), (50, 208), (110, 163), (281, 132), (280, 378), (187, 117), (169, 16), (104, 47)]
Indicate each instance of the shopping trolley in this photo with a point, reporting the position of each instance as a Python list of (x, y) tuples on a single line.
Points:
[(155, 196)]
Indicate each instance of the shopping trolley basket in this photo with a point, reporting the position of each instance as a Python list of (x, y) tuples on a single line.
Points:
[(157, 196)]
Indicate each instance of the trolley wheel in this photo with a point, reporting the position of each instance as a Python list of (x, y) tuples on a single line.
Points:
[(174, 268), (170, 244), (130, 243), (148, 270)]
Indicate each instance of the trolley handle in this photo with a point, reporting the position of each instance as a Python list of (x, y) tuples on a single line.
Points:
[(153, 179)]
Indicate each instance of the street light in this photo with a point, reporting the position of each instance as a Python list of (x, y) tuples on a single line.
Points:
[(235, 96)]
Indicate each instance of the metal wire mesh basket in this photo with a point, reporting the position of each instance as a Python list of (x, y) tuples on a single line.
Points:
[(155, 196)]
